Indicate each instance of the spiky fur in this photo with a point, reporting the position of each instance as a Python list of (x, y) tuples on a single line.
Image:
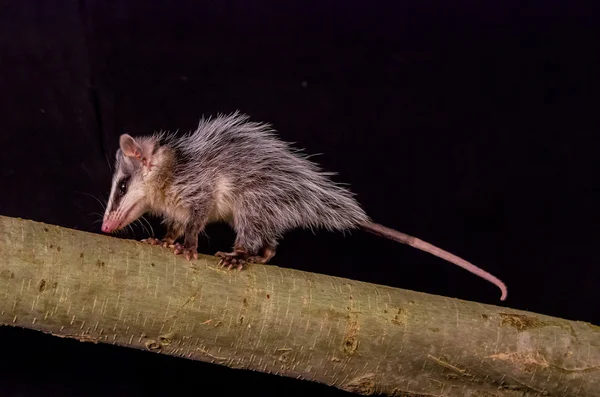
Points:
[(235, 170)]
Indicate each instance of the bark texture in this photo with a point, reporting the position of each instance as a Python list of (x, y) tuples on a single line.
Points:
[(360, 337)]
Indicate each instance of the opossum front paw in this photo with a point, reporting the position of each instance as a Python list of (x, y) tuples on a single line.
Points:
[(165, 243), (229, 260)]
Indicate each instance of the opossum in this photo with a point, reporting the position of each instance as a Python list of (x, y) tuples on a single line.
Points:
[(234, 170)]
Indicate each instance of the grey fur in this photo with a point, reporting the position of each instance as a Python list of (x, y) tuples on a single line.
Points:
[(273, 188)]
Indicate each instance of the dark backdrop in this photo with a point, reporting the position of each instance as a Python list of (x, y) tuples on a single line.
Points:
[(471, 126)]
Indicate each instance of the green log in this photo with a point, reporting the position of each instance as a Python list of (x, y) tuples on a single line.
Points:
[(360, 337)]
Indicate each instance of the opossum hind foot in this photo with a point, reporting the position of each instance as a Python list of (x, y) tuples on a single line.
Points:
[(237, 258), (240, 257)]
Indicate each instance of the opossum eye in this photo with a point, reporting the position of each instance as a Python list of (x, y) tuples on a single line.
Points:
[(123, 185)]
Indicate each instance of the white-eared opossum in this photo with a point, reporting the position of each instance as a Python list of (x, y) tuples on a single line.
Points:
[(234, 170)]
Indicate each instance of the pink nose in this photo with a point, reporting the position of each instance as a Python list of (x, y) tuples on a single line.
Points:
[(108, 225)]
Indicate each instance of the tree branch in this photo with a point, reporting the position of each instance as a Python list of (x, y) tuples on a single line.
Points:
[(359, 337)]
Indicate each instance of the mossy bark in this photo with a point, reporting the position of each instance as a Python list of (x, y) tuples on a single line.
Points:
[(359, 337)]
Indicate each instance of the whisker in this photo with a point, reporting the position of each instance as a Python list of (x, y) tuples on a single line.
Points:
[(108, 161), (137, 223), (144, 228), (132, 231), (149, 225), (94, 197)]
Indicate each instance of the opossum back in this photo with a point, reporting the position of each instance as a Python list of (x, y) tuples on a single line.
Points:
[(268, 177)]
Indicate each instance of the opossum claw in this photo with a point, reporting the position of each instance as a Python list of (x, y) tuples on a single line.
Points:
[(165, 242), (151, 241), (175, 246), (232, 259), (188, 253)]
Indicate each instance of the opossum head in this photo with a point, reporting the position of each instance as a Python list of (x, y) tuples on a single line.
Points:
[(131, 180)]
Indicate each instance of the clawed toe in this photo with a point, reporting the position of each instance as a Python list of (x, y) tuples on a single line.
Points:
[(152, 241), (230, 260), (165, 243), (177, 248), (189, 254)]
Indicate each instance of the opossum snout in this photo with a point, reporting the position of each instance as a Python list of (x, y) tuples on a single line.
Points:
[(110, 223)]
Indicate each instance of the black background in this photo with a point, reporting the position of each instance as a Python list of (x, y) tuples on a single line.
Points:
[(471, 126)]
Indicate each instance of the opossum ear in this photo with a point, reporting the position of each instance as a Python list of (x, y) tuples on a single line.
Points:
[(139, 151), (130, 147)]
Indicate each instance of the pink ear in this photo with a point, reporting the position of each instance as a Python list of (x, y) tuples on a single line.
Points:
[(130, 147)]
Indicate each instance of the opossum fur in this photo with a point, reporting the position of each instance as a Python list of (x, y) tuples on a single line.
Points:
[(238, 171)]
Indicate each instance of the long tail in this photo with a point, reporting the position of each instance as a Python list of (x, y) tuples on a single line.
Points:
[(395, 235)]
